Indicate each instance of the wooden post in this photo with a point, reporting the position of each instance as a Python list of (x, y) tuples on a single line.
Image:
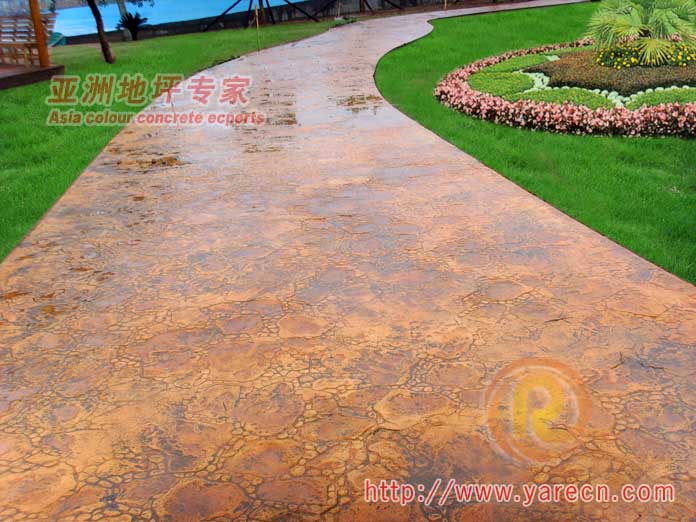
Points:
[(258, 38), (262, 12), (39, 32)]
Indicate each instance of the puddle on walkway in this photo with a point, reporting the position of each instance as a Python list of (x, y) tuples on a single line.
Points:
[(360, 102)]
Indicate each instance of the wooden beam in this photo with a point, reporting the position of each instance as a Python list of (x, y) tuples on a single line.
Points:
[(40, 34)]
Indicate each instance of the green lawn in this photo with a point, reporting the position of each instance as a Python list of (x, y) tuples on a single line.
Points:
[(38, 163), (639, 192)]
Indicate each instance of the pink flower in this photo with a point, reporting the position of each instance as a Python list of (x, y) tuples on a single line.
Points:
[(666, 119)]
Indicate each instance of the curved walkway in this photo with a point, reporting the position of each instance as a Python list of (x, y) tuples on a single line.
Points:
[(245, 324)]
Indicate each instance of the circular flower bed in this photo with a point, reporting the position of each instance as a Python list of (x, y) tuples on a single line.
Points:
[(669, 119)]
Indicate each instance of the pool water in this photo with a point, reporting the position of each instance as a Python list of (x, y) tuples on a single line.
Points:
[(75, 21)]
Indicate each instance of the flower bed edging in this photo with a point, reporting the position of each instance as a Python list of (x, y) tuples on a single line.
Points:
[(669, 119)]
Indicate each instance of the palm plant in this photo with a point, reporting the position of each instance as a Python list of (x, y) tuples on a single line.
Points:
[(133, 22), (651, 26)]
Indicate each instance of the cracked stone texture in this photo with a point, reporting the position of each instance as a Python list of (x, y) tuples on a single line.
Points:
[(245, 323)]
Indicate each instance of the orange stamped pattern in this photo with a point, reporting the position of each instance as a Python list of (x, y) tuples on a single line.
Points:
[(219, 323)]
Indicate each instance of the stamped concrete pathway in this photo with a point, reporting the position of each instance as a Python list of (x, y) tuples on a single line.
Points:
[(226, 324)]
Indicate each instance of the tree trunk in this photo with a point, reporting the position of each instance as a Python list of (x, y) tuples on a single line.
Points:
[(123, 11), (105, 47)]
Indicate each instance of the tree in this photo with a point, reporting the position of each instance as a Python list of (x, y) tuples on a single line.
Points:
[(105, 46), (122, 11), (651, 26), (103, 41), (133, 22)]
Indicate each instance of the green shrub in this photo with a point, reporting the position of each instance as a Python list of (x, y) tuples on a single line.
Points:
[(669, 96), (573, 95), (500, 83), (580, 69)]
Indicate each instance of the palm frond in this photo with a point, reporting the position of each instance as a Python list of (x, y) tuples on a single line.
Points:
[(654, 25), (653, 51), (616, 20)]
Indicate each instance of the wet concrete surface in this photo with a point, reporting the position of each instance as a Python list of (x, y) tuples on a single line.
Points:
[(245, 323)]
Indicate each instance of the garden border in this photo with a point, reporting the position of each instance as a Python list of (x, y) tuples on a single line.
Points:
[(669, 119)]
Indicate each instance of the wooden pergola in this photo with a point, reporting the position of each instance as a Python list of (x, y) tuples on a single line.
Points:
[(41, 43), (24, 56)]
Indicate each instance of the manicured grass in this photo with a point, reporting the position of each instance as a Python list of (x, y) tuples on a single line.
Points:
[(38, 163), (639, 192)]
